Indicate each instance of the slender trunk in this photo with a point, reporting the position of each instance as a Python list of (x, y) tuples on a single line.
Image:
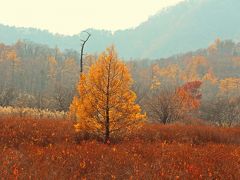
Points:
[(81, 60), (107, 122), (107, 132), (81, 55), (164, 120)]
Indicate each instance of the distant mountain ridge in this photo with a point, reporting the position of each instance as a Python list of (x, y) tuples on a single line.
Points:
[(190, 25)]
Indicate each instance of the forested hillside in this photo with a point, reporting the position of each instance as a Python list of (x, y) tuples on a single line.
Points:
[(36, 76)]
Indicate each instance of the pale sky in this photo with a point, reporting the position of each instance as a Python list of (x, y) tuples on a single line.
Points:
[(72, 16)]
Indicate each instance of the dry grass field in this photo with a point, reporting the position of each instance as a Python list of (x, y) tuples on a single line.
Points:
[(50, 149)]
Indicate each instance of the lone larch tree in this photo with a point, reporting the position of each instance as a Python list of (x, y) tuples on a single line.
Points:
[(106, 105)]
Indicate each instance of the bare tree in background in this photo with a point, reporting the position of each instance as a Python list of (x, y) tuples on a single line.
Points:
[(161, 106), (222, 110), (84, 41)]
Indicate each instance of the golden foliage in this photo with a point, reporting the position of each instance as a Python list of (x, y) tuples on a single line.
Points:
[(229, 84), (105, 95), (169, 73), (52, 60), (11, 55), (209, 76), (191, 71), (155, 82)]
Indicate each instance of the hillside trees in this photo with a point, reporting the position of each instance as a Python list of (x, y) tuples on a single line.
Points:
[(8, 68), (173, 95), (106, 105), (142, 80), (223, 109), (36, 76)]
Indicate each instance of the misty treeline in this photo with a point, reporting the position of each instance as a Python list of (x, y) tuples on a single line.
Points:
[(204, 84)]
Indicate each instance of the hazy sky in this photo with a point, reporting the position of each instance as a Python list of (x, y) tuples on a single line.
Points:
[(72, 16)]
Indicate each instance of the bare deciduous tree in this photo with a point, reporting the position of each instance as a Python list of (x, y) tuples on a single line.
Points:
[(84, 41), (162, 106), (222, 111)]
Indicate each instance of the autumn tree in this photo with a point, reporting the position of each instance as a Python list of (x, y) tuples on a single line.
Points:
[(230, 86), (189, 96), (169, 103), (105, 105), (222, 110), (195, 69), (161, 105), (8, 64), (12, 57)]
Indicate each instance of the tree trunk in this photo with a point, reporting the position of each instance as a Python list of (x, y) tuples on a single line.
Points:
[(107, 122), (81, 59), (165, 117), (107, 132)]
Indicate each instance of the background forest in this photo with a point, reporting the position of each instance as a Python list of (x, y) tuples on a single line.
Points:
[(36, 76)]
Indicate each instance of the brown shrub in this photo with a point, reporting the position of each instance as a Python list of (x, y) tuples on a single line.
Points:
[(17, 131), (189, 134)]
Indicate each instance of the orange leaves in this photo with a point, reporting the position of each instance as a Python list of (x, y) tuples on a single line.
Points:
[(189, 95), (11, 55), (83, 165), (104, 93), (192, 88), (15, 171), (167, 105), (193, 169), (185, 98)]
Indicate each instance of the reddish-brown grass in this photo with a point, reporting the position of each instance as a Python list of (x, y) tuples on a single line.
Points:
[(47, 149)]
